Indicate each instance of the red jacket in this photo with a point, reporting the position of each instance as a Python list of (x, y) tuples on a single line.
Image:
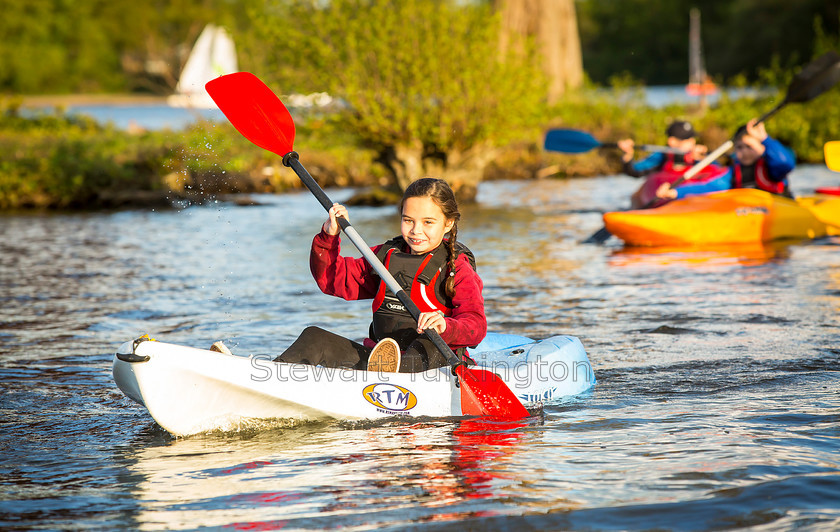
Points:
[(353, 278)]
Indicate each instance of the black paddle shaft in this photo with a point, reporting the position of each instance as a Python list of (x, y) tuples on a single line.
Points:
[(291, 160)]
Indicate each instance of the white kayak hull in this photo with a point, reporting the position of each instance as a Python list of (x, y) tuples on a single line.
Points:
[(188, 390)]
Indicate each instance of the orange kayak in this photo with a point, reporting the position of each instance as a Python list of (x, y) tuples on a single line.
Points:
[(728, 217)]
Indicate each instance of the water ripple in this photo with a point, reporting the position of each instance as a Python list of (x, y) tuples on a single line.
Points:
[(716, 404)]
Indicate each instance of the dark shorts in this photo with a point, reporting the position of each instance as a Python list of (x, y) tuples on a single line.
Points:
[(319, 347)]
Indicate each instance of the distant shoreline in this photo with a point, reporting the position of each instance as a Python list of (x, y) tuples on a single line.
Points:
[(653, 96), (71, 100)]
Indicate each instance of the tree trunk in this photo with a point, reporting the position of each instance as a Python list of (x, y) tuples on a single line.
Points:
[(554, 24), (463, 170)]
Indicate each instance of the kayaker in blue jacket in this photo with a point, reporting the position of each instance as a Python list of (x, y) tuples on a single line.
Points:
[(682, 137), (759, 161)]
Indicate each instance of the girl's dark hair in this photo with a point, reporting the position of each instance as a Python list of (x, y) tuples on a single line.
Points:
[(442, 195)]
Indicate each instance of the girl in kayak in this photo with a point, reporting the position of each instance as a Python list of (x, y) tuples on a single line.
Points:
[(681, 136), (759, 161), (435, 271)]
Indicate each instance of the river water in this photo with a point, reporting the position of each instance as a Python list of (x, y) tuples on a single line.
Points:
[(717, 404)]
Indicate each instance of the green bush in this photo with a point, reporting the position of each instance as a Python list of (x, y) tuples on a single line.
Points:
[(52, 160)]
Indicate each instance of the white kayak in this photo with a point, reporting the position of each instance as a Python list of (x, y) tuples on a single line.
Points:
[(188, 390)]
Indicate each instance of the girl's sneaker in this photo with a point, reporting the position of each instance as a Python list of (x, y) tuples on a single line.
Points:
[(385, 357), (219, 347)]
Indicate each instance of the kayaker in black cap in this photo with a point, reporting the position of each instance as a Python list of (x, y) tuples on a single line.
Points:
[(681, 136)]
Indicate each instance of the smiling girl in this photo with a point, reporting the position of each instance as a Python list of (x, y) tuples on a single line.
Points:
[(430, 265)]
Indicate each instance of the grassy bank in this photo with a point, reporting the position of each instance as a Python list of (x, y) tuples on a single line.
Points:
[(56, 161), (51, 160)]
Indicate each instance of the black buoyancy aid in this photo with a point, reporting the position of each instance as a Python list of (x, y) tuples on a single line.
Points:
[(757, 177), (677, 163), (422, 278)]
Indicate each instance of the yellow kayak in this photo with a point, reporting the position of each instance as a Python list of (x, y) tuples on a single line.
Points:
[(738, 216)]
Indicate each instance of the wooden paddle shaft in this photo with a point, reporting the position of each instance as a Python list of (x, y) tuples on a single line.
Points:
[(703, 163), (291, 160)]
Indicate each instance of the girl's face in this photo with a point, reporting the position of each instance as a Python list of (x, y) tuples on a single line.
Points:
[(423, 224)]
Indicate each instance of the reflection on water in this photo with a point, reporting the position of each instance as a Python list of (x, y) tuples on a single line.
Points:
[(319, 473), (708, 256), (716, 404)]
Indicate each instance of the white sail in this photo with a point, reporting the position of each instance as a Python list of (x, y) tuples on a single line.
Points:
[(212, 56)]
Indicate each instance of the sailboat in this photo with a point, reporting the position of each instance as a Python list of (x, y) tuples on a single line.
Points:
[(699, 82), (212, 56)]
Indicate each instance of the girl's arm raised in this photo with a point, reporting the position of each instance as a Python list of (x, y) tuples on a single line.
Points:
[(345, 277)]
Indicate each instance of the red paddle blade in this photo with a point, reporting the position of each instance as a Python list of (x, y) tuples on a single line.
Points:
[(254, 111), (483, 393)]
